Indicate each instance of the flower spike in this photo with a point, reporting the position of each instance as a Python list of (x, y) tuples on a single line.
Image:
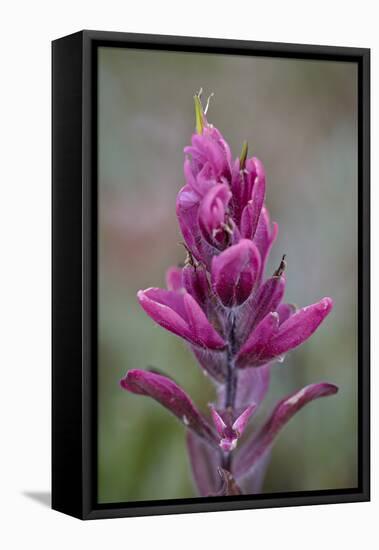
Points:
[(231, 315)]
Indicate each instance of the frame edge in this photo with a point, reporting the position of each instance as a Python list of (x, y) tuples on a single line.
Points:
[(67, 463)]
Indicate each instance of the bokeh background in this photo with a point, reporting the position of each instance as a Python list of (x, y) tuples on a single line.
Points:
[(300, 119)]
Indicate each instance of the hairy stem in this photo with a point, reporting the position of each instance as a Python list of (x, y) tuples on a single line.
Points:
[(231, 379), (231, 382), (227, 461)]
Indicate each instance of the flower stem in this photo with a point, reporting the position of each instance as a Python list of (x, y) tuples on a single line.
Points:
[(231, 382)]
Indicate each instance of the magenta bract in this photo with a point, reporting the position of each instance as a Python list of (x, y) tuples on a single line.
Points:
[(234, 320)]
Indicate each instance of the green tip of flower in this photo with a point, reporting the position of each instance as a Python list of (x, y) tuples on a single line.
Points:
[(199, 114), (243, 155)]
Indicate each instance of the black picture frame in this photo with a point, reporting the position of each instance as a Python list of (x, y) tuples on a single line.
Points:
[(74, 273)]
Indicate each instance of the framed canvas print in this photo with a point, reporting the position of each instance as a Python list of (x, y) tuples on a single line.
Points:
[(210, 275)]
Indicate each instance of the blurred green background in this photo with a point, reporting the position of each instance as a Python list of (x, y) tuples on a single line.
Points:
[(300, 119)]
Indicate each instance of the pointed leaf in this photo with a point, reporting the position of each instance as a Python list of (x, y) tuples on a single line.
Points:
[(254, 449), (172, 397)]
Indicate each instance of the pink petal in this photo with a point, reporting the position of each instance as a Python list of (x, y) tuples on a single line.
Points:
[(187, 208), (179, 313), (285, 311), (196, 283), (166, 308), (211, 148), (202, 332), (212, 212), (265, 237), (218, 421), (264, 301), (241, 422), (252, 210), (298, 328), (234, 272), (174, 278), (251, 352)]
